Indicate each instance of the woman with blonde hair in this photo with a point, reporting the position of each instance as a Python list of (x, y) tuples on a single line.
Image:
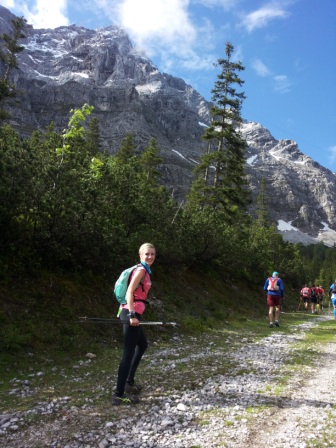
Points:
[(135, 342)]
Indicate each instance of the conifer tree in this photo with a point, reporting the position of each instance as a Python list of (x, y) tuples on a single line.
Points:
[(263, 219), (93, 137), (150, 161), (220, 178), (126, 150)]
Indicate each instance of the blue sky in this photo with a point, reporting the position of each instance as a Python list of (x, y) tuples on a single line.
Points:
[(286, 46)]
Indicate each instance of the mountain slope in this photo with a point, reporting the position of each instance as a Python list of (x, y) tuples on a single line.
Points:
[(64, 68), (301, 192)]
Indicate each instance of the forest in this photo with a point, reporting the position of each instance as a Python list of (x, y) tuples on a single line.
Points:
[(70, 209)]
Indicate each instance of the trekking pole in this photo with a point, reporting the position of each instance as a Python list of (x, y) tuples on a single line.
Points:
[(100, 320)]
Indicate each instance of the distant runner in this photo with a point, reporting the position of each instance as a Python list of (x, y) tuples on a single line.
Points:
[(332, 293), (313, 299), (320, 298), (275, 292), (305, 295)]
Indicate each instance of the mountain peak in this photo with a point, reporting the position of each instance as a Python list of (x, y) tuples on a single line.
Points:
[(62, 69)]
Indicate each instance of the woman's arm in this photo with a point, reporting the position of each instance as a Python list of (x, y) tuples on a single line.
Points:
[(134, 283)]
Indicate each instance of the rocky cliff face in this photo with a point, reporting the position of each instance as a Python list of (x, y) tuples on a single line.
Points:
[(64, 68), (301, 192)]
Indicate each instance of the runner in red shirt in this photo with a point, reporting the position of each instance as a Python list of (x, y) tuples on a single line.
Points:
[(305, 296), (320, 297)]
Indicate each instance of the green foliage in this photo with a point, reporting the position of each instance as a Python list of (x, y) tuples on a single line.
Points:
[(150, 162), (192, 325), (13, 339), (66, 205), (126, 151), (262, 212), (319, 264), (93, 144), (219, 177)]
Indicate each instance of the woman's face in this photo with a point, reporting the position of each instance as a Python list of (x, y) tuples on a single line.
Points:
[(147, 255)]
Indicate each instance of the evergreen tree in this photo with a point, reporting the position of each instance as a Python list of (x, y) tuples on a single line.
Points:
[(16, 166), (127, 149), (220, 177), (262, 212), (150, 161), (93, 137)]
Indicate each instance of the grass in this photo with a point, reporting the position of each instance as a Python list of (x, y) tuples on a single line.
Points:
[(305, 351), (200, 356), (44, 336)]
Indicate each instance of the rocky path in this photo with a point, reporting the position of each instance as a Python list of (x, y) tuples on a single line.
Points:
[(304, 415), (260, 398)]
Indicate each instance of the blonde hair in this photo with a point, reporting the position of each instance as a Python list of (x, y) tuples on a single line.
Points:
[(144, 246)]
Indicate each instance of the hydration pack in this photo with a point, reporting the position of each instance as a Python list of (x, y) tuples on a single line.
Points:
[(272, 284), (306, 292), (121, 285)]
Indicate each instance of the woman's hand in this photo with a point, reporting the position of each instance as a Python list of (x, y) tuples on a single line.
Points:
[(134, 322)]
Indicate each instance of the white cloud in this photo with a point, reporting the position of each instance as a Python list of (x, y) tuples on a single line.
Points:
[(8, 4), (299, 67), (226, 4), (162, 20), (198, 62), (260, 68), (282, 83), (332, 154), (263, 16), (42, 14), (165, 29), (238, 54)]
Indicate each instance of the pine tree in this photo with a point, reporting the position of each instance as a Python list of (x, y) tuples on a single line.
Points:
[(220, 177), (93, 144), (126, 150), (150, 161), (263, 218)]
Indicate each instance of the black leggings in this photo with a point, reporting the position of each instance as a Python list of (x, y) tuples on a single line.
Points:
[(135, 345)]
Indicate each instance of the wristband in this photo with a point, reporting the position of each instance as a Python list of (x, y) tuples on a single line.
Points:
[(131, 315)]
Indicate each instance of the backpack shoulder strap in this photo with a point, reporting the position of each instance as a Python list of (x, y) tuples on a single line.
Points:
[(143, 278)]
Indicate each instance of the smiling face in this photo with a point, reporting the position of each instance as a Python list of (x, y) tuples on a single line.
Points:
[(147, 254)]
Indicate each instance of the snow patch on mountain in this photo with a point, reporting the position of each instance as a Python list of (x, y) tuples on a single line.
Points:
[(283, 226), (149, 87), (294, 235), (179, 154), (251, 159)]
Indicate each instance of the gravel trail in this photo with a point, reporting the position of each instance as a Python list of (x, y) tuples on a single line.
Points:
[(304, 416), (258, 400)]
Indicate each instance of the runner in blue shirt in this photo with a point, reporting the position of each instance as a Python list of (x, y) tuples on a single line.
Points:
[(332, 294), (275, 292)]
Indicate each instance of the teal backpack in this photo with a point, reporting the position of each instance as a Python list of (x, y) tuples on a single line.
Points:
[(121, 285)]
